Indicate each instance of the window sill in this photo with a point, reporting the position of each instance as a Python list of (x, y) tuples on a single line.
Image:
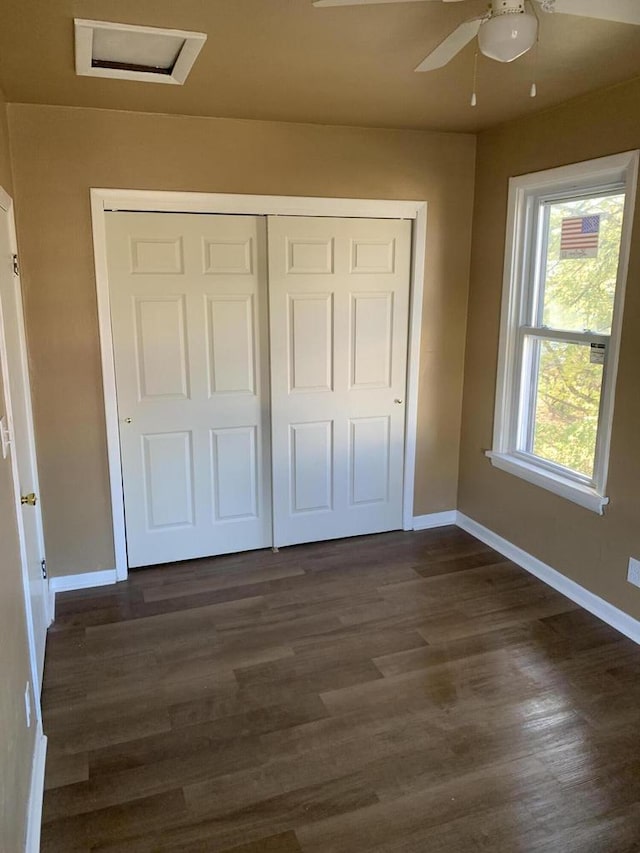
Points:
[(582, 495)]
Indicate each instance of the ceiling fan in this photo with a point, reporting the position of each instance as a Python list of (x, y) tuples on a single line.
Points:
[(509, 29)]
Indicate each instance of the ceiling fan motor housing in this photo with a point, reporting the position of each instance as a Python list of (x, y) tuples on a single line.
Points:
[(507, 7), (509, 32)]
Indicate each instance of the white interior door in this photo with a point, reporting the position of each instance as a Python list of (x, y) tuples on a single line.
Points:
[(338, 307), (19, 443), (189, 323)]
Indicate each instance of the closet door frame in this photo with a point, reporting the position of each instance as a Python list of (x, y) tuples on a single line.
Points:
[(149, 201)]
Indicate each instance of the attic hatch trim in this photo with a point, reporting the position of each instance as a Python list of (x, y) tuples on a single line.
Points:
[(177, 73)]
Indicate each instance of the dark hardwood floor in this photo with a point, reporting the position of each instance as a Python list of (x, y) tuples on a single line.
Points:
[(401, 693)]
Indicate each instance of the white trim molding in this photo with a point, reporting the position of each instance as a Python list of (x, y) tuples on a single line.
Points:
[(36, 794), (419, 247), (254, 205), (435, 519), (610, 614), (103, 200), (86, 580), (583, 495)]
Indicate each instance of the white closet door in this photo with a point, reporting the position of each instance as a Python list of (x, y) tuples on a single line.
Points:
[(188, 309), (338, 303)]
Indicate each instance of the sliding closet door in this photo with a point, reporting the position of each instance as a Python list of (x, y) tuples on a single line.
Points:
[(338, 304), (188, 308)]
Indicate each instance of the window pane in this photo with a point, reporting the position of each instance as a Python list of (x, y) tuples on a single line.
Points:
[(566, 404), (581, 266)]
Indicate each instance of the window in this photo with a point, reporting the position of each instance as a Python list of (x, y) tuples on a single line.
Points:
[(568, 238)]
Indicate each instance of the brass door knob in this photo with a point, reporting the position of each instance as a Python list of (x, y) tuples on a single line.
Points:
[(29, 500)]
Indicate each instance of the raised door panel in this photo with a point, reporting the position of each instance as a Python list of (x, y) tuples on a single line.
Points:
[(228, 257), (373, 256), (231, 344), (311, 342), (307, 256), (157, 256), (371, 340), (235, 473), (369, 460), (311, 466), (161, 347), (168, 479)]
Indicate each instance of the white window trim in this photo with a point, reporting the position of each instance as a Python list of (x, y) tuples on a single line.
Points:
[(523, 193)]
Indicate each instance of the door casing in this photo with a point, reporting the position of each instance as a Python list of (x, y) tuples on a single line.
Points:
[(103, 200)]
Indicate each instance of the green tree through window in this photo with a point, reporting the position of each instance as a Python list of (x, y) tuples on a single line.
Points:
[(578, 295)]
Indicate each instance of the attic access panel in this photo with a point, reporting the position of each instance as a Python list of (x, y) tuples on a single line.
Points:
[(128, 52)]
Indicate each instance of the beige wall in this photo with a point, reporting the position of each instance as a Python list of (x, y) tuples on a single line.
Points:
[(16, 741), (59, 153), (591, 550)]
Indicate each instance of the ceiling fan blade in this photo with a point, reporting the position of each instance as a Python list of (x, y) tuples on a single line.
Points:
[(451, 46), (622, 11), (365, 2)]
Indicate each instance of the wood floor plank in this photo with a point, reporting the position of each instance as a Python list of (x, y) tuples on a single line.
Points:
[(281, 813), (422, 815), (410, 660), (77, 732), (400, 693), (305, 708), (471, 681), (157, 777), (358, 642), (284, 842), (218, 580), (119, 821), (65, 769)]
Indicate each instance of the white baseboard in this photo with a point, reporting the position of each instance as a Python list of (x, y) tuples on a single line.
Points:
[(36, 794), (613, 616), (434, 519), (66, 583)]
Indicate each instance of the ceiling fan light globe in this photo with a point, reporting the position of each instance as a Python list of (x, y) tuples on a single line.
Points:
[(506, 37)]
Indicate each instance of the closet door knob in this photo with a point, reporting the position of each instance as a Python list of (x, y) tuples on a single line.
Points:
[(397, 401)]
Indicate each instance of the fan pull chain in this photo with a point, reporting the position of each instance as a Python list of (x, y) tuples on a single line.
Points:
[(533, 91), (474, 97)]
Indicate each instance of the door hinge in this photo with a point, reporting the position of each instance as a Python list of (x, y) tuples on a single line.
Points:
[(43, 566), (16, 265)]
